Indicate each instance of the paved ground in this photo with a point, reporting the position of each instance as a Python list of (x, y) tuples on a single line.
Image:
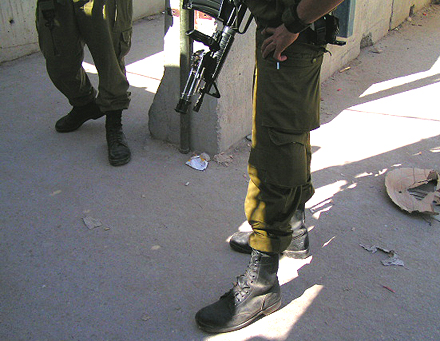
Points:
[(161, 252)]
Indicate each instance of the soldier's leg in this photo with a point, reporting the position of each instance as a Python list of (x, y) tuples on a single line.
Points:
[(106, 27), (63, 49), (286, 108), (270, 210), (264, 200)]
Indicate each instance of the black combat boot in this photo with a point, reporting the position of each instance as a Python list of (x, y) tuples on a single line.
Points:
[(256, 293), (118, 151), (298, 247), (77, 116)]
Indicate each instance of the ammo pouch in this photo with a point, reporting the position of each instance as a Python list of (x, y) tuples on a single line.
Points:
[(324, 31)]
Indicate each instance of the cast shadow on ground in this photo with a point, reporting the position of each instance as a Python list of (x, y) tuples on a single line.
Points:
[(316, 297)]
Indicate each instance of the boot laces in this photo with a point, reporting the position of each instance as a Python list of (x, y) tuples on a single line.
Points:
[(115, 136), (241, 288)]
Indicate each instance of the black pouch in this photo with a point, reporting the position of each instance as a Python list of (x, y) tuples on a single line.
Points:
[(47, 8), (325, 31)]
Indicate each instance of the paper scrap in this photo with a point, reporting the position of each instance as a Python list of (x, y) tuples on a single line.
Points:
[(205, 156), (145, 317), (198, 163), (92, 223), (393, 259), (58, 191)]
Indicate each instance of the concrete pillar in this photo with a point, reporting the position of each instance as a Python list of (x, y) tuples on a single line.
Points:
[(163, 120), (220, 123)]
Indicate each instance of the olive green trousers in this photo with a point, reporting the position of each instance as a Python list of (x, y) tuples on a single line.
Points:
[(286, 107), (105, 26)]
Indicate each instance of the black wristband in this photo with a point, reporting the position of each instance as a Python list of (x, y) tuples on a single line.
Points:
[(292, 22)]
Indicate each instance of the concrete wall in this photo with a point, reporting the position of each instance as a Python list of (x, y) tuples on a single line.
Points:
[(373, 20), (17, 25)]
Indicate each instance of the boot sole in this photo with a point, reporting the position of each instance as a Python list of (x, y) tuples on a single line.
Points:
[(70, 129), (76, 127), (265, 312), (119, 162), (302, 254)]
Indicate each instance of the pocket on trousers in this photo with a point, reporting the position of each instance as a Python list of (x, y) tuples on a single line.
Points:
[(288, 98), (125, 43), (283, 160)]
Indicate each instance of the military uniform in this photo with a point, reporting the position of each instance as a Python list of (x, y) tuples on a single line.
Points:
[(285, 110), (105, 26)]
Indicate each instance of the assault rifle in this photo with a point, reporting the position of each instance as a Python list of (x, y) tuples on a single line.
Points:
[(207, 64)]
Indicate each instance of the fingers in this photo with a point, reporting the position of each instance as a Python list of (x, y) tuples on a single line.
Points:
[(267, 46), (268, 30), (276, 53), (270, 40), (278, 56), (270, 45), (279, 39)]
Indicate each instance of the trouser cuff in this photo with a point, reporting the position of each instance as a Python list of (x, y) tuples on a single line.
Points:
[(262, 241)]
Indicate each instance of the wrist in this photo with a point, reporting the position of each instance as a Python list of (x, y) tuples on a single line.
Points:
[(292, 22)]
